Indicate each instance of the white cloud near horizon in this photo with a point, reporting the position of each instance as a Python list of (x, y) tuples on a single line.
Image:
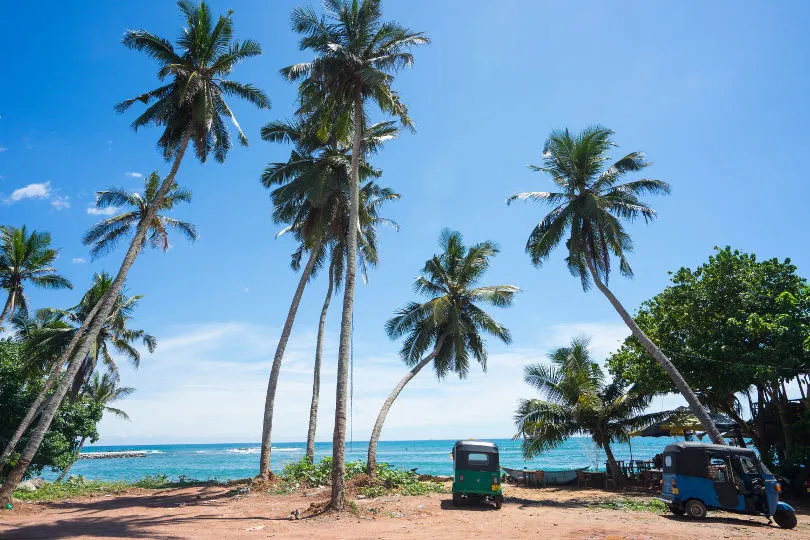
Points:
[(207, 383), (134, 174)]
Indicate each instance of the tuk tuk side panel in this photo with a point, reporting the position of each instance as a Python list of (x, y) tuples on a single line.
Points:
[(689, 487)]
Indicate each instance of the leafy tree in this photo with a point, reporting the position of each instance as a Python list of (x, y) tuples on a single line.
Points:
[(52, 329), (101, 391), (190, 108), (589, 209), (450, 323), (357, 54), (311, 197), (578, 399), (731, 324), (104, 235), (19, 386), (26, 258)]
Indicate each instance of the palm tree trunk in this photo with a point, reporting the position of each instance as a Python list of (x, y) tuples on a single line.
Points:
[(618, 477), (653, 350), (344, 348), (371, 464), (270, 399), (316, 372), (84, 341), (66, 469), (33, 410), (7, 309)]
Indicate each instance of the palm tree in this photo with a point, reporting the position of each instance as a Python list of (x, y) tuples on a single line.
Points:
[(190, 108), (102, 391), (578, 399), (372, 197), (104, 235), (311, 199), (590, 208), (449, 324), (52, 329), (26, 258), (356, 57)]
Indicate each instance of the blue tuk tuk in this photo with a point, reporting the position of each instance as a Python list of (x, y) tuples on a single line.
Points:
[(698, 476)]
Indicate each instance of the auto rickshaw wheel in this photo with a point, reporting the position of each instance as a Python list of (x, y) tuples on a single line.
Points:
[(785, 519), (499, 501), (695, 509), (458, 499)]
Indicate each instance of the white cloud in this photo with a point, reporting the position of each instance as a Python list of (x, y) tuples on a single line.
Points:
[(134, 174), (31, 191), (246, 289), (60, 202), (110, 210), (207, 383), (3, 148), (78, 260)]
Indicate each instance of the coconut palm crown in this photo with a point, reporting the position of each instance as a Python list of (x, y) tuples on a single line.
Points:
[(105, 235), (25, 258), (450, 319), (591, 204), (193, 103)]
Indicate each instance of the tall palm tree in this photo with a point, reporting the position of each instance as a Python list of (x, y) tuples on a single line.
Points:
[(310, 198), (51, 330), (102, 391), (26, 258), (190, 108), (578, 399), (450, 323), (104, 235), (372, 197), (589, 209), (357, 54)]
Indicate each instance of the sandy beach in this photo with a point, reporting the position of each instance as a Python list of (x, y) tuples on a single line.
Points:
[(229, 512)]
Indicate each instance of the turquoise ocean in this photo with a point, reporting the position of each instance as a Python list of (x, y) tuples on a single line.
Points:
[(228, 461)]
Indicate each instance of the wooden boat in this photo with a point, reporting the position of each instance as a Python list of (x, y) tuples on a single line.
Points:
[(563, 477), (549, 478)]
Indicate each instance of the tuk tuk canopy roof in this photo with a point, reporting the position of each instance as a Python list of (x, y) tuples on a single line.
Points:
[(689, 447), (477, 446)]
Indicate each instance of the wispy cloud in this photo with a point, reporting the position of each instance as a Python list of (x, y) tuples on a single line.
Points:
[(31, 191), (134, 174), (78, 260), (110, 210), (60, 202), (3, 148)]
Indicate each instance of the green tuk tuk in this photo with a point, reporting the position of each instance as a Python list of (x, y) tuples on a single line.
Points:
[(476, 472)]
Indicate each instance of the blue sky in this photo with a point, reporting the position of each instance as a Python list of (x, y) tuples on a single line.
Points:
[(716, 94)]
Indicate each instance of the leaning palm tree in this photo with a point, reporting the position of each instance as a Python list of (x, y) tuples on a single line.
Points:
[(50, 332), (357, 54), (104, 235), (310, 198), (589, 209), (450, 323), (579, 400), (26, 258), (190, 108), (101, 391)]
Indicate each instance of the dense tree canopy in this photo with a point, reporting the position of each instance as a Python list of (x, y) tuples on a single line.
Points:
[(75, 420)]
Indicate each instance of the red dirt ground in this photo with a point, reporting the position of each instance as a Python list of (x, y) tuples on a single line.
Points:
[(216, 512)]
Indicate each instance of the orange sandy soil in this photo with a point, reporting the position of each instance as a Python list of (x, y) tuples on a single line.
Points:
[(218, 512)]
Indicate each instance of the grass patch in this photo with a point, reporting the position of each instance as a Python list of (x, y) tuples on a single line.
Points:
[(631, 505), (389, 480), (77, 486)]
